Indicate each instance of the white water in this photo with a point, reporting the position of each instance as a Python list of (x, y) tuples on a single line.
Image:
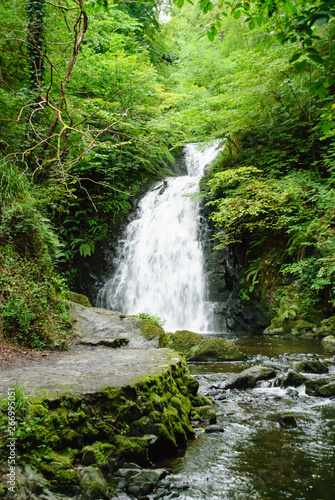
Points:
[(159, 264)]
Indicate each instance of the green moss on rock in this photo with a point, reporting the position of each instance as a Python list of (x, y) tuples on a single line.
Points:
[(152, 331), (197, 347), (78, 298)]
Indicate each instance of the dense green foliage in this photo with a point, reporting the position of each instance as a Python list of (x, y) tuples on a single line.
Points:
[(93, 102), (271, 189), (79, 99)]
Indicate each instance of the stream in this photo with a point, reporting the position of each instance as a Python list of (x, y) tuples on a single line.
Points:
[(254, 458)]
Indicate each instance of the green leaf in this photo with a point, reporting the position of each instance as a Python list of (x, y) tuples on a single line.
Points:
[(252, 24), (237, 14), (295, 57), (302, 65), (210, 36), (316, 58), (180, 3)]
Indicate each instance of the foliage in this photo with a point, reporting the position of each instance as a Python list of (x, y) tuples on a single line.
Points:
[(156, 319)]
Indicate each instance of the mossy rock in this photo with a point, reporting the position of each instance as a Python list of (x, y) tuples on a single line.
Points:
[(216, 349), (284, 326), (97, 454), (322, 387), (293, 379), (93, 484), (78, 298), (152, 331), (327, 327), (197, 347), (309, 366), (204, 413), (329, 343)]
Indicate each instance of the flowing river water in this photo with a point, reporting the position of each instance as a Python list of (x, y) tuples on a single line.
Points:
[(159, 269)]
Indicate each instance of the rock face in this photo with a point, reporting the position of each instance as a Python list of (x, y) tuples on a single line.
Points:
[(196, 347), (94, 326), (249, 377)]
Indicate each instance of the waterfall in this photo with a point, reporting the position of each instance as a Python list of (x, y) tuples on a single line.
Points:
[(159, 262)]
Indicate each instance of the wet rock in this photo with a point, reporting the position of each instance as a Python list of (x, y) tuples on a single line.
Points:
[(310, 367), (249, 377), (292, 393), (322, 387), (197, 347), (287, 421), (145, 481), (214, 428), (329, 343), (92, 483), (128, 473), (293, 379), (204, 413), (131, 465)]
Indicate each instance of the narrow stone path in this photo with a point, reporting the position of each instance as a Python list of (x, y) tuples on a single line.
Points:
[(86, 368)]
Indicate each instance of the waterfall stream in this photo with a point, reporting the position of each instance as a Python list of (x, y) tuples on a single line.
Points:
[(159, 263)]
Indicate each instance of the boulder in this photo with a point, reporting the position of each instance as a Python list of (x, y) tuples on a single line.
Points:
[(329, 343), (249, 377), (92, 483), (78, 298), (145, 481), (287, 421), (214, 428), (310, 367), (204, 413), (323, 387), (95, 326), (293, 379), (197, 347)]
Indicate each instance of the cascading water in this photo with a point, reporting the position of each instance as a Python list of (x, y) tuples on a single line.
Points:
[(159, 263)]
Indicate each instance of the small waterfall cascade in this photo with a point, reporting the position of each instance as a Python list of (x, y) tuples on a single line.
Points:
[(159, 262)]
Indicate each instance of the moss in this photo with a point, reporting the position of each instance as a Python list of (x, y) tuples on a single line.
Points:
[(78, 298), (132, 449), (204, 413), (97, 454), (67, 480), (197, 347), (152, 331), (109, 426), (183, 340), (216, 349)]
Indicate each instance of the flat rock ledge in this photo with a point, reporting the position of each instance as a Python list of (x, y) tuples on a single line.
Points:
[(96, 406)]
